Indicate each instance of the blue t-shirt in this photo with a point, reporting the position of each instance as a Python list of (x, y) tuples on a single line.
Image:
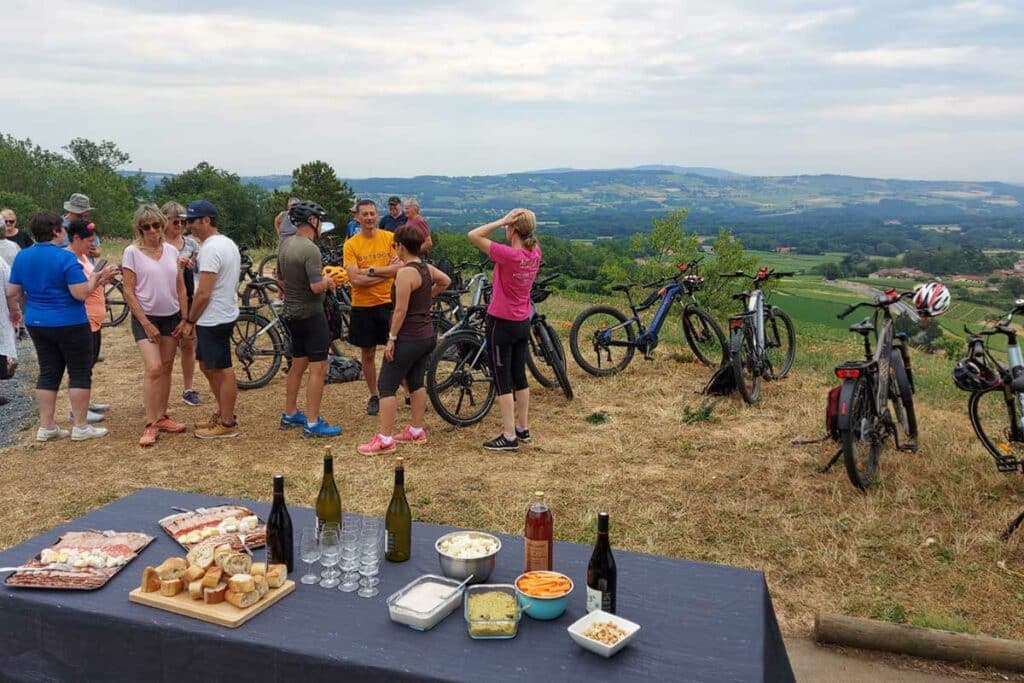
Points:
[(44, 271), (392, 224), (353, 227)]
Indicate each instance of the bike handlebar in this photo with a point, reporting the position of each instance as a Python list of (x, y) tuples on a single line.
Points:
[(879, 303), (768, 275)]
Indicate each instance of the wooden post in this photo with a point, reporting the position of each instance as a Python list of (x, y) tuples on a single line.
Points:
[(929, 643)]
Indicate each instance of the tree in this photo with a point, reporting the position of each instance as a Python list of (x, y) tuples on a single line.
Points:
[(660, 251), (103, 155), (316, 181)]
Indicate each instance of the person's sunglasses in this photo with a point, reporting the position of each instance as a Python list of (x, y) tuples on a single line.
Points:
[(10, 222), (179, 221), (146, 227)]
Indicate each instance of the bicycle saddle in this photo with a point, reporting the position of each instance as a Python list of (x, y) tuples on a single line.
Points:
[(621, 288), (865, 326)]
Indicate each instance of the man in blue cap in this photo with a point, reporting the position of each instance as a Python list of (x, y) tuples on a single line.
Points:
[(212, 316)]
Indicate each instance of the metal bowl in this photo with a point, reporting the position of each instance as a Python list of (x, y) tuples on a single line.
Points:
[(459, 568)]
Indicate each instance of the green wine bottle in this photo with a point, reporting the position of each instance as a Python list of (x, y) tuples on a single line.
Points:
[(398, 521), (328, 502)]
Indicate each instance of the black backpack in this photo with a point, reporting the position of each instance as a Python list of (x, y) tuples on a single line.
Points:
[(342, 369)]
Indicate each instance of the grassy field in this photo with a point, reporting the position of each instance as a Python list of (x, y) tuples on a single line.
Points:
[(798, 262)]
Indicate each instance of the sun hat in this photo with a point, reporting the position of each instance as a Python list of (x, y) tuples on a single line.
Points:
[(77, 203)]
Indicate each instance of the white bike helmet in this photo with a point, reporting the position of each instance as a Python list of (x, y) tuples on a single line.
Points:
[(932, 299)]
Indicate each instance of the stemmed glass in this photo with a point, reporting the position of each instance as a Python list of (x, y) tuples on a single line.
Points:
[(369, 557), (309, 551), (330, 572), (330, 552), (349, 561)]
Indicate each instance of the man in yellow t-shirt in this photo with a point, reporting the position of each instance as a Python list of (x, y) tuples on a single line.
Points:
[(371, 265)]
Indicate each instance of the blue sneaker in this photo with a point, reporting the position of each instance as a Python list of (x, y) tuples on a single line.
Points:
[(292, 421), (321, 429)]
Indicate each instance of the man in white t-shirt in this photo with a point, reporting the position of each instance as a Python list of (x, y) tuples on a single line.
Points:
[(212, 316)]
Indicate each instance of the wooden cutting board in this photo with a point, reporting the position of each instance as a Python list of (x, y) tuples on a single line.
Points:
[(222, 614)]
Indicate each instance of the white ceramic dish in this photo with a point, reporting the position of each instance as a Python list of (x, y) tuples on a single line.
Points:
[(424, 620), (596, 646)]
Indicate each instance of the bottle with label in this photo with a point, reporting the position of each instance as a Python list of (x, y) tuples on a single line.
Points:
[(601, 572), (280, 549), (328, 502), (398, 521), (539, 533)]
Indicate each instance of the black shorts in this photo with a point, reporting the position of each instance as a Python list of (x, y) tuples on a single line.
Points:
[(369, 326), (310, 337), (68, 347), (165, 323), (213, 345), (507, 345), (410, 365)]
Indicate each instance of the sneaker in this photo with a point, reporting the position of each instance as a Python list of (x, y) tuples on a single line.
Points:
[(376, 446), (43, 434), (292, 421), (320, 429), (502, 444), (209, 424), (407, 436), (166, 424), (99, 407), (220, 431), (90, 417), (149, 435), (523, 436), (87, 432), (373, 405), (191, 398)]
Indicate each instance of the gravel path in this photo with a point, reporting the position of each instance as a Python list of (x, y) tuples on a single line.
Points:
[(20, 413)]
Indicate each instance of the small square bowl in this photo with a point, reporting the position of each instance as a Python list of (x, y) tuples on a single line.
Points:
[(494, 629), (596, 646)]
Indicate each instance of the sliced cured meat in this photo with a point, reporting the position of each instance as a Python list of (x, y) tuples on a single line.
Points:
[(117, 544)]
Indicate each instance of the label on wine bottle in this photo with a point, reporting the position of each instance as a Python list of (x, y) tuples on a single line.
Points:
[(595, 599), (537, 556), (389, 541)]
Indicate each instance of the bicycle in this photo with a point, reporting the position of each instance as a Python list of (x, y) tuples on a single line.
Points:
[(757, 347), (117, 306), (602, 328), (876, 397), (330, 254)]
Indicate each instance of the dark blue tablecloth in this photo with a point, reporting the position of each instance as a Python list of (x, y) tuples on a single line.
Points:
[(699, 622)]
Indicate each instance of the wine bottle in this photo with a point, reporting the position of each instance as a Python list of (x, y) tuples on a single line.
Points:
[(538, 535), (328, 502), (280, 541), (601, 572), (398, 521)]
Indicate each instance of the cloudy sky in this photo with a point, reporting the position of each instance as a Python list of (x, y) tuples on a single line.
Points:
[(899, 88)]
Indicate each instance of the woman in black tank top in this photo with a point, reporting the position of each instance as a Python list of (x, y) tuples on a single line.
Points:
[(411, 338)]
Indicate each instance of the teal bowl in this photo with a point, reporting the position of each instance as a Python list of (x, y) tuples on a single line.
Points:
[(543, 609)]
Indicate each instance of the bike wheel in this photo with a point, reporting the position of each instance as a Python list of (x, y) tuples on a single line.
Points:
[(743, 355), (592, 336), (259, 349), (267, 266), (441, 323), (779, 343), (993, 416), (705, 336), (861, 441), (537, 361), (117, 307), (459, 382), (901, 398), (552, 355)]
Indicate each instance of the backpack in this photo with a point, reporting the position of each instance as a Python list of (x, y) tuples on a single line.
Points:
[(722, 383), (832, 413), (342, 369)]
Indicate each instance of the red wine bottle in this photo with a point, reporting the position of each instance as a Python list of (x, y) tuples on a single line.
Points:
[(280, 548), (601, 573)]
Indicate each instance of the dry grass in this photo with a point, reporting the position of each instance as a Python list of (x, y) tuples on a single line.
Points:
[(732, 489)]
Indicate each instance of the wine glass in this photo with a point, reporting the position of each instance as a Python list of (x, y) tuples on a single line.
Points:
[(330, 572), (330, 552), (309, 551), (349, 561), (369, 559)]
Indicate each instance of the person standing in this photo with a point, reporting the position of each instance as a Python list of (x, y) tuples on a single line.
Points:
[(411, 338), (56, 287), (282, 223), (79, 207), (8, 248), (304, 286), (187, 250), (416, 220), (10, 317), (154, 289), (508, 319), (394, 218), (369, 259), (81, 237), (212, 317), (19, 237), (353, 224)]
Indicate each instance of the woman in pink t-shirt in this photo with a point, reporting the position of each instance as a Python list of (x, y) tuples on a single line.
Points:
[(154, 289), (508, 319)]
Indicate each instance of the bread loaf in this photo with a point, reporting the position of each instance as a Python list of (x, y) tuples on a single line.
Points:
[(221, 552), (195, 589), (241, 583), (242, 600), (258, 569), (236, 563), (194, 573), (261, 585), (150, 581), (201, 556), (172, 568), (215, 595), (171, 588), (212, 577), (276, 575)]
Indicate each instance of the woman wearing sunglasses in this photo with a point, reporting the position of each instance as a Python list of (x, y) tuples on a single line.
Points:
[(154, 289), (187, 249)]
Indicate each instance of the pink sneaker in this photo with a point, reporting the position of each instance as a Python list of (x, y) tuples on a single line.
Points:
[(376, 446), (407, 436)]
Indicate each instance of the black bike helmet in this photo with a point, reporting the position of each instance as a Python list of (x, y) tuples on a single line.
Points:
[(300, 213), (970, 375)]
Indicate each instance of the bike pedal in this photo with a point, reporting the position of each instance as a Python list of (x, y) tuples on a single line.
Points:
[(1007, 464)]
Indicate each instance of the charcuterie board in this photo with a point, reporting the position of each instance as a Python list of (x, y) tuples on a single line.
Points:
[(84, 560), (222, 614), (216, 525)]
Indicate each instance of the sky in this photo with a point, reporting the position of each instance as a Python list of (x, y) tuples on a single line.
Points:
[(901, 88)]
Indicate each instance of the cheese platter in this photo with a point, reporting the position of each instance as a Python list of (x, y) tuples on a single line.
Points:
[(80, 560)]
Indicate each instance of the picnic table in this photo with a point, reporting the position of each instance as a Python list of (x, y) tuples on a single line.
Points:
[(699, 622)]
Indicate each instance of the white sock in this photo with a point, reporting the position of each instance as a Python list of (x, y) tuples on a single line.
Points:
[(415, 431), (520, 429), (386, 440)]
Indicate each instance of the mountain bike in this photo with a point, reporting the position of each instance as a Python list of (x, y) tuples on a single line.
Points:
[(602, 330), (330, 254), (117, 307), (876, 398), (762, 340)]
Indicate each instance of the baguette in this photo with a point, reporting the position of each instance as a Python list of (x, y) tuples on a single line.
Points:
[(201, 556), (261, 585), (276, 575), (171, 588), (172, 568), (221, 552), (194, 573), (150, 581), (215, 595), (212, 577), (258, 569), (242, 600), (195, 589), (236, 563), (241, 583)]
